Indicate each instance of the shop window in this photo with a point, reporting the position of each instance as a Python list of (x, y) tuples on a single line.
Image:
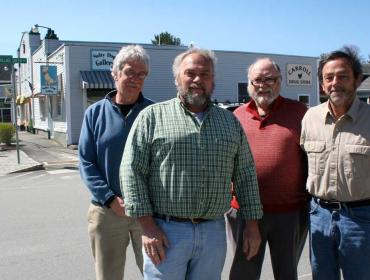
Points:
[(364, 99), (5, 111), (95, 95), (243, 96), (57, 104), (42, 107), (305, 99), (57, 101)]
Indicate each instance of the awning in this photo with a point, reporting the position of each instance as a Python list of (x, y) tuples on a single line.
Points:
[(22, 100), (96, 79)]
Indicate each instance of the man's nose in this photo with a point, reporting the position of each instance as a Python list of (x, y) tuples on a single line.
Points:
[(335, 80), (197, 79)]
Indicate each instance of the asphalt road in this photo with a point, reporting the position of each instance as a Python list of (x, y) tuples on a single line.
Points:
[(43, 233)]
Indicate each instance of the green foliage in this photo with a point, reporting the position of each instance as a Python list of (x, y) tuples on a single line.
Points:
[(166, 38), (7, 132)]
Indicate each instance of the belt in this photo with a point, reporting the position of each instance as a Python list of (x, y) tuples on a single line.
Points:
[(179, 219), (337, 205)]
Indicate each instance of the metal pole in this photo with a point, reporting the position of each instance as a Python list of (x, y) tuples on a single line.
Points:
[(15, 112)]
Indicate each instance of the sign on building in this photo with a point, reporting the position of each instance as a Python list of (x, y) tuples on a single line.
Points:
[(299, 74), (102, 59), (49, 81)]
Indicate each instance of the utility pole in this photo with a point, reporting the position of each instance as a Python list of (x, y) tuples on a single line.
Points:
[(15, 112)]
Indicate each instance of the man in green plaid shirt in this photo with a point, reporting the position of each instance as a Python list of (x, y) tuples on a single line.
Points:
[(179, 160)]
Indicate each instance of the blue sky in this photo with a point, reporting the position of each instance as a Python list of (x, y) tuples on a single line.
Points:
[(306, 28)]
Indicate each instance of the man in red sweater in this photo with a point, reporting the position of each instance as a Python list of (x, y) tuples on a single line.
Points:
[(272, 124)]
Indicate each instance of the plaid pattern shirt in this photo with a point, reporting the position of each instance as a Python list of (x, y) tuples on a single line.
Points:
[(174, 165)]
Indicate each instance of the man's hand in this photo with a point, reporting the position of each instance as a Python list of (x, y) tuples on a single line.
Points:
[(154, 240), (118, 206), (251, 239)]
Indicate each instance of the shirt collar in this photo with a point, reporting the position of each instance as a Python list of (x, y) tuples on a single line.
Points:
[(352, 111), (113, 93)]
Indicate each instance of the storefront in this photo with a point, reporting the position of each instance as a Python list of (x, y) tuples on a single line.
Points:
[(80, 74)]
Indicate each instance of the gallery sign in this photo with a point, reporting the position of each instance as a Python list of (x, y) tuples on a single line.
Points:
[(299, 74), (49, 80), (102, 59)]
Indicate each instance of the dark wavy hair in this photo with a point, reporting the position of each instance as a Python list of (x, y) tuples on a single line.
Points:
[(349, 53)]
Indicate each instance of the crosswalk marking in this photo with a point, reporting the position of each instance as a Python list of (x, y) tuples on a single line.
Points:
[(61, 171)]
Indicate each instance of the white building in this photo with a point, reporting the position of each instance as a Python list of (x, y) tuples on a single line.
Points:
[(79, 75)]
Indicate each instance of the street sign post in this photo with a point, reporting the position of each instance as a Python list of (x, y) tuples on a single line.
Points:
[(19, 60), (8, 59)]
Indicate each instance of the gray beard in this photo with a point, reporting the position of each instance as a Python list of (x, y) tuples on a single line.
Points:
[(265, 101), (191, 99)]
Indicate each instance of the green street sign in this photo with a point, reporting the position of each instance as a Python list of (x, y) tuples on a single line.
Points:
[(19, 60), (6, 59)]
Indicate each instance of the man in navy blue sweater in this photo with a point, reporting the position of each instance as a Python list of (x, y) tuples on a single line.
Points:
[(103, 136)]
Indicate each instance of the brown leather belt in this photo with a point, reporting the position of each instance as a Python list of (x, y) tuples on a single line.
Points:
[(337, 205), (179, 219)]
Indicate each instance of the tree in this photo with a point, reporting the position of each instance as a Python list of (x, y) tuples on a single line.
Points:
[(165, 38)]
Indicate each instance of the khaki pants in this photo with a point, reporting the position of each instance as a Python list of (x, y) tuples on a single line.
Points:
[(109, 237)]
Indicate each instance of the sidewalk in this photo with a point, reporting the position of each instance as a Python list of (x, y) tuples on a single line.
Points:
[(36, 152)]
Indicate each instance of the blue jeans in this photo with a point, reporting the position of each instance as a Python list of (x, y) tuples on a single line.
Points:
[(197, 251), (340, 241)]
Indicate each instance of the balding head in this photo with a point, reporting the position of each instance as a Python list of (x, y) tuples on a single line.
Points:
[(264, 82)]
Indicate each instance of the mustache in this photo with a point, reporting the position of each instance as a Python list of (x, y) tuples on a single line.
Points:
[(264, 91), (196, 86), (336, 89)]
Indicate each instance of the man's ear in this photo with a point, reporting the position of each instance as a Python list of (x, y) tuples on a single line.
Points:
[(322, 87), (115, 76)]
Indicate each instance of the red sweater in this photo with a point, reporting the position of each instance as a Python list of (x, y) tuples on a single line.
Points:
[(280, 162)]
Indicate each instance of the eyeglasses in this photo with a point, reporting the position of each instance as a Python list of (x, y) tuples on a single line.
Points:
[(268, 81), (132, 74)]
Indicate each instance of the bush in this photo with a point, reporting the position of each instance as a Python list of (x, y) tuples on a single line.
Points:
[(7, 132)]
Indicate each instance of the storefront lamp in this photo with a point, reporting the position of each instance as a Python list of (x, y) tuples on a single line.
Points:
[(50, 32)]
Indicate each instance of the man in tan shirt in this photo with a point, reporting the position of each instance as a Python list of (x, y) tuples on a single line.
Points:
[(336, 137)]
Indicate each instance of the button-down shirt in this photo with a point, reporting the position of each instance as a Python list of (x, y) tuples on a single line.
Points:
[(177, 166), (338, 152)]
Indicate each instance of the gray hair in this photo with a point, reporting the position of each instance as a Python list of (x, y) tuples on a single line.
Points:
[(274, 64), (130, 53), (207, 54)]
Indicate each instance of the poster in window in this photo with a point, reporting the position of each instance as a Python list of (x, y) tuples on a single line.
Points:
[(49, 81)]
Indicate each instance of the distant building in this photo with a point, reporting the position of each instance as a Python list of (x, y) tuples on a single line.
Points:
[(364, 89), (64, 77)]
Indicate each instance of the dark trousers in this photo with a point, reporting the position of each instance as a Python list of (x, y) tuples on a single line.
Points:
[(285, 234)]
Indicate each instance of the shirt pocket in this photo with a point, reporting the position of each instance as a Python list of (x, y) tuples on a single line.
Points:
[(357, 160), (315, 154), (222, 154)]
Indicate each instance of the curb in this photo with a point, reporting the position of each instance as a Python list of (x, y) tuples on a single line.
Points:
[(26, 169), (61, 164)]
